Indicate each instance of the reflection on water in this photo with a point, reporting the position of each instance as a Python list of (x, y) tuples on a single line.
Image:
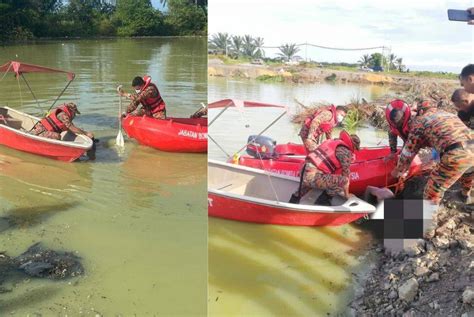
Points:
[(137, 217), (267, 270), (232, 128)]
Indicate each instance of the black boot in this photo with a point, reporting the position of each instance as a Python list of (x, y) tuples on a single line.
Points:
[(294, 199), (323, 200)]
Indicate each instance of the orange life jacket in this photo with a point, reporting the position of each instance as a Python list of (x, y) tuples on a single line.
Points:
[(51, 121), (324, 126), (152, 104), (399, 105), (324, 157)]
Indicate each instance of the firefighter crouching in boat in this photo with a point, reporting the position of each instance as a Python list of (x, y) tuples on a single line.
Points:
[(398, 115), (322, 121), (148, 95), (447, 134), (59, 120), (321, 165)]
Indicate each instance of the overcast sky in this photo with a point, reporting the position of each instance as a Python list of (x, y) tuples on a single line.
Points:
[(418, 31)]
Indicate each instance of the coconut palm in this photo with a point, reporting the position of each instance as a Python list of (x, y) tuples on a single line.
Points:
[(258, 41), (365, 60), (248, 46), (399, 64), (236, 43), (391, 61), (220, 42), (287, 51)]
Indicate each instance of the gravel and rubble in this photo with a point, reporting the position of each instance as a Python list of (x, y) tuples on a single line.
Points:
[(435, 277)]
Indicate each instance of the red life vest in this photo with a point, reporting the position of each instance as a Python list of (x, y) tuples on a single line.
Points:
[(324, 157), (324, 127), (399, 105), (152, 104), (51, 121)]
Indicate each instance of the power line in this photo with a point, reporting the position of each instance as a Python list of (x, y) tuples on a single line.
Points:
[(335, 48)]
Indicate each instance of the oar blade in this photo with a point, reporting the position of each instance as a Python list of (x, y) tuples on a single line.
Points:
[(119, 141)]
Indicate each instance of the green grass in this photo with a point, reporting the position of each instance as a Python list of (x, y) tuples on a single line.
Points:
[(271, 79), (231, 61)]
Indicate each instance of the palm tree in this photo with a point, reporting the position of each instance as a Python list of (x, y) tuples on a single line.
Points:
[(391, 61), (236, 45), (365, 60), (258, 41), (399, 64), (220, 42), (287, 51), (248, 46)]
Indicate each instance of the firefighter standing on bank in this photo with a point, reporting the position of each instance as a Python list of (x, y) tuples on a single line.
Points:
[(446, 133)]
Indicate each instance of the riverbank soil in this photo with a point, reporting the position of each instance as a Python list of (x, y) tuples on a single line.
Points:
[(433, 278), (302, 74)]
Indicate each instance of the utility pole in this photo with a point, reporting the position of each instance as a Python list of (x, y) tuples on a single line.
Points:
[(306, 51)]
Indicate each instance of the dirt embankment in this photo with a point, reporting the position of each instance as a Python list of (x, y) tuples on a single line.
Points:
[(297, 74), (433, 278)]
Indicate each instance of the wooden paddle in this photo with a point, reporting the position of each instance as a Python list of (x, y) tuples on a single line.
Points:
[(119, 140)]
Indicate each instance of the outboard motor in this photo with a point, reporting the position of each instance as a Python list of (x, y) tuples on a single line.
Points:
[(261, 147)]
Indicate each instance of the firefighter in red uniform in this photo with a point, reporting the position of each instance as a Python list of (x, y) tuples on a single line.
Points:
[(322, 121), (328, 168), (398, 115), (148, 95), (59, 120)]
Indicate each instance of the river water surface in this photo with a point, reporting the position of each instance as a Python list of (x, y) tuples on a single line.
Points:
[(268, 270), (137, 217)]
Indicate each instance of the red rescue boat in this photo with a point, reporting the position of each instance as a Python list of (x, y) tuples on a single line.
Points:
[(170, 135), (251, 195), (14, 127), (370, 166)]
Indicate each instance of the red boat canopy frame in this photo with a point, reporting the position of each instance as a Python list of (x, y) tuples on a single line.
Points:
[(225, 103), (19, 68)]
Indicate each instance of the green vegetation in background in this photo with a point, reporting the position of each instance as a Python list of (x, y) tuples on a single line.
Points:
[(29, 19), (271, 79)]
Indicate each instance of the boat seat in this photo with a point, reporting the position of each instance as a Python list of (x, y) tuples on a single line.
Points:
[(11, 122)]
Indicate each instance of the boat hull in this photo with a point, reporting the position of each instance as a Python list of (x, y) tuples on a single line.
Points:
[(251, 195), (222, 206), (369, 169), (170, 135), (66, 151)]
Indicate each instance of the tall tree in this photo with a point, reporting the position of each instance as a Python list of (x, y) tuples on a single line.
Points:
[(220, 42), (377, 60), (137, 18), (391, 60), (399, 64), (248, 46), (365, 60), (236, 45), (258, 41), (186, 18), (288, 51)]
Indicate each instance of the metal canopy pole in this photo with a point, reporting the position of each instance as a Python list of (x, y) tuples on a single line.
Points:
[(32, 93)]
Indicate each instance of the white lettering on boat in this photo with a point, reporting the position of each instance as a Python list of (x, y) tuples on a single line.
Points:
[(283, 172), (192, 134), (209, 202), (354, 176)]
